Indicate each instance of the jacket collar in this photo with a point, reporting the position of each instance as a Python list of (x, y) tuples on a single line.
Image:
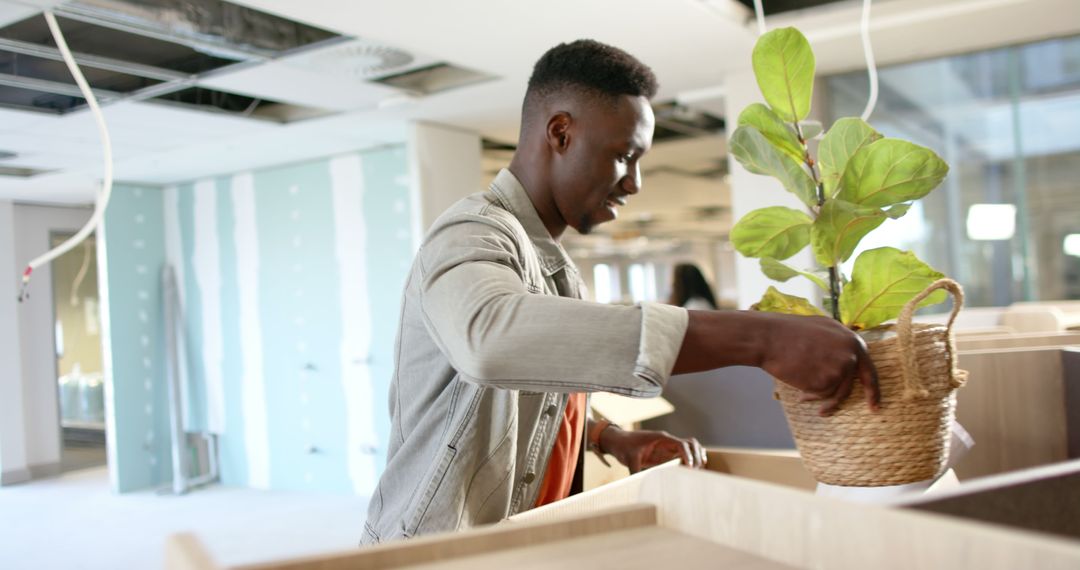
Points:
[(513, 197)]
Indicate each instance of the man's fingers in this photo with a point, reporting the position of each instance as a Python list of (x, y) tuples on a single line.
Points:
[(826, 394), (869, 379), (687, 453), (842, 393), (699, 452), (635, 463), (809, 397)]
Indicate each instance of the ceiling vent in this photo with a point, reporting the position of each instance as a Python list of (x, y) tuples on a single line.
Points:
[(362, 59)]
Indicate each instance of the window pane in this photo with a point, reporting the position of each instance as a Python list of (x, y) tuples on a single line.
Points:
[(1008, 123), (637, 283), (602, 283)]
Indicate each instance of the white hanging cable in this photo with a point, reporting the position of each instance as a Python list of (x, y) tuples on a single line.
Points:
[(868, 52), (106, 186), (760, 12), (871, 66), (87, 252)]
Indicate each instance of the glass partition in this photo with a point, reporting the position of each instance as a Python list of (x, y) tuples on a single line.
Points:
[(1008, 123)]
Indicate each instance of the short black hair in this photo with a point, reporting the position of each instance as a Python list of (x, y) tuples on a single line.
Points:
[(590, 66)]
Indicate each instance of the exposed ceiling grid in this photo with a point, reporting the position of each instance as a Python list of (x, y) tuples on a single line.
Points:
[(691, 44)]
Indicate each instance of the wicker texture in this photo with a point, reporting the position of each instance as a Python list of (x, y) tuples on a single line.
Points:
[(907, 440)]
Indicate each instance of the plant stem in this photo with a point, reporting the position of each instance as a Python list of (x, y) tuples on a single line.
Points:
[(834, 272)]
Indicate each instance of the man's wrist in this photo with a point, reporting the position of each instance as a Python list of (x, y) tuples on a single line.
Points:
[(598, 438), (607, 439)]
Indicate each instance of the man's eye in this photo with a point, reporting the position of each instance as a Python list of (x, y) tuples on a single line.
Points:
[(626, 157)]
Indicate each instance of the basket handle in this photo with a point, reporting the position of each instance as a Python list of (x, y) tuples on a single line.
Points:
[(913, 386)]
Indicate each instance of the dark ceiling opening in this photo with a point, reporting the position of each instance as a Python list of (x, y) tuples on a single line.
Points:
[(779, 6)]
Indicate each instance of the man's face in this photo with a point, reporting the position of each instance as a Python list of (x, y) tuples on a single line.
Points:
[(599, 169)]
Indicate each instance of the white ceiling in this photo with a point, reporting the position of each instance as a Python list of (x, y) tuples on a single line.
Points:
[(691, 45)]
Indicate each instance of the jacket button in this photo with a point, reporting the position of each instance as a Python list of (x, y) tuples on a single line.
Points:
[(551, 409), (529, 478)]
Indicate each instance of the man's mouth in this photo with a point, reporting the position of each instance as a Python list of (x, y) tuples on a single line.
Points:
[(616, 201)]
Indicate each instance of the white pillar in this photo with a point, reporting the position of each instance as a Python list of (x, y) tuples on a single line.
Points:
[(40, 421), (445, 164), (12, 436), (752, 191)]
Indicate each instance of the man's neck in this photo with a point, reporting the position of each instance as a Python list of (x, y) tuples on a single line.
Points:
[(540, 194)]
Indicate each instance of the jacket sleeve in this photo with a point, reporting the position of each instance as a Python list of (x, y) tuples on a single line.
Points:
[(495, 332)]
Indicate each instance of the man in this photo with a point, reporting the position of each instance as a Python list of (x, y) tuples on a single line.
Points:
[(496, 350)]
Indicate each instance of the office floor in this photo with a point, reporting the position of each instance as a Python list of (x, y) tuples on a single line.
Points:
[(74, 521)]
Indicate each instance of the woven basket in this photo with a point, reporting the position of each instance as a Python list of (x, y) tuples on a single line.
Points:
[(907, 440)]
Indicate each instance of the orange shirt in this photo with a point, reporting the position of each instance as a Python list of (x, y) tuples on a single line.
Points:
[(564, 455)]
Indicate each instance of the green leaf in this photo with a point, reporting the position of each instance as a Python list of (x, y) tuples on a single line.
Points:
[(897, 211), (846, 136), (776, 302), (839, 227), (890, 171), (784, 68), (776, 232), (779, 271), (757, 155), (774, 129), (883, 280)]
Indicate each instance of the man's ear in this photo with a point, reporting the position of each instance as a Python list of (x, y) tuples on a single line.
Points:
[(558, 131)]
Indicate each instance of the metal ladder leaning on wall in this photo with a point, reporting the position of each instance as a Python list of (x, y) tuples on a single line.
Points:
[(182, 480)]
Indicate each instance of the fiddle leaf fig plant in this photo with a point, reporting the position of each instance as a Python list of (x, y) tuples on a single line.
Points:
[(858, 180)]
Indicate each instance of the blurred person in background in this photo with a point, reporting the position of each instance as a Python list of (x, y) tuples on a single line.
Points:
[(690, 290)]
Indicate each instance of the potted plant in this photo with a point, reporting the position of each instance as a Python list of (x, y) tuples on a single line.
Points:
[(857, 180)]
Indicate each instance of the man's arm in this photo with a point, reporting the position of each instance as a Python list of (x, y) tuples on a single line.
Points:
[(497, 331), (817, 355)]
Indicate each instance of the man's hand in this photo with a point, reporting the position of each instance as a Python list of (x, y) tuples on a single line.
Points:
[(822, 358), (817, 355), (642, 449)]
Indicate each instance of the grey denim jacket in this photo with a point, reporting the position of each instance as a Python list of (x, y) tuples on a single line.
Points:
[(493, 337)]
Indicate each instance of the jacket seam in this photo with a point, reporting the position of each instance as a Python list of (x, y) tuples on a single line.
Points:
[(475, 403), (484, 463), (372, 533), (489, 495)]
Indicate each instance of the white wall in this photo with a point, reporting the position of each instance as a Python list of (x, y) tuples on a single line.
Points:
[(12, 443), (752, 191), (446, 166), (31, 415)]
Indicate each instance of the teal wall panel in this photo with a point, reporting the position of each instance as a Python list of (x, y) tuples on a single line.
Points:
[(298, 295), (387, 214), (135, 253), (277, 357)]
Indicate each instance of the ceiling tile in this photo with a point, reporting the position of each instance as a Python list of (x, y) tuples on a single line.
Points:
[(287, 83)]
